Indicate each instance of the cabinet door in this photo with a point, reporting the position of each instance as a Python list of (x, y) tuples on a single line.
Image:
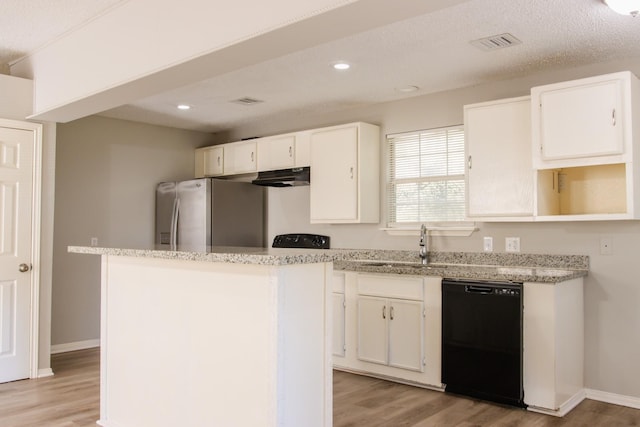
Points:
[(213, 161), (334, 175), (372, 329), (338, 324), (499, 168), (276, 153), (240, 157), (581, 121), (406, 332)]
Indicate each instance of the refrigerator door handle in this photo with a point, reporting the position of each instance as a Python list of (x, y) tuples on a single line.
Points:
[(174, 222)]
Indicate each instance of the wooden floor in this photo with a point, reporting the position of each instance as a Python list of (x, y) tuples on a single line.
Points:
[(71, 399)]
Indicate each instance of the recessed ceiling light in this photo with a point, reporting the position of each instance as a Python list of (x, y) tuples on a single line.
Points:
[(407, 89), (184, 107), (624, 7), (341, 65)]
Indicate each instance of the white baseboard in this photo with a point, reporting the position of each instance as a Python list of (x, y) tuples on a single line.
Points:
[(616, 399), (564, 409), (73, 346), (46, 372)]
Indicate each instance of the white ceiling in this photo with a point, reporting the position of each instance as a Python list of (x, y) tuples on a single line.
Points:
[(26, 25), (430, 51)]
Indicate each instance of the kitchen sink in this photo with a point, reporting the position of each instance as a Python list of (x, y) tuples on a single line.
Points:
[(401, 264)]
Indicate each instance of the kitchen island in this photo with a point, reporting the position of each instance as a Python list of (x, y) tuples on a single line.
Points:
[(243, 336), (215, 337)]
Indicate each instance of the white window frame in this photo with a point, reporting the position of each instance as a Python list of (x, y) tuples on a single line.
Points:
[(445, 228)]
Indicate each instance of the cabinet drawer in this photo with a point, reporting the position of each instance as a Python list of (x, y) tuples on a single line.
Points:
[(391, 286)]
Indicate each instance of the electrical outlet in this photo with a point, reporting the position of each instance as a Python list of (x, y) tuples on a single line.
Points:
[(606, 246), (94, 241), (512, 244), (488, 244)]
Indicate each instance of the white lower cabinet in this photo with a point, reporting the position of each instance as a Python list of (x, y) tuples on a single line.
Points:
[(339, 312), (390, 332), (392, 327), (553, 346)]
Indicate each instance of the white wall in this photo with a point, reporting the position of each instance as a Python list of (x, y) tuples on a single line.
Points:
[(106, 174), (612, 291)]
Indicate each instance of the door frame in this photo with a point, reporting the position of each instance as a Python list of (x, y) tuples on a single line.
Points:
[(36, 215)]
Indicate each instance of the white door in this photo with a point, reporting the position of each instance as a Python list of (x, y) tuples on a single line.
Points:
[(372, 329), (245, 159), (406, 325), (334, 175), (16, 207), (582, 121), (276, 153), (213, 161), (499, 172)]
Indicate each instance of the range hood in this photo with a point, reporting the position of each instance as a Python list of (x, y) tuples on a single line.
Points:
[(283, 177)]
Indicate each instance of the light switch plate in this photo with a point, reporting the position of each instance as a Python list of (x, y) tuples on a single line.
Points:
[(512, 244)]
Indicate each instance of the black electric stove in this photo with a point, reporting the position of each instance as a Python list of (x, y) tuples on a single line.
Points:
[(302, 241)]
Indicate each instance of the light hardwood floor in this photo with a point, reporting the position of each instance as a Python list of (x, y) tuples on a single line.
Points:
[(71, 399)]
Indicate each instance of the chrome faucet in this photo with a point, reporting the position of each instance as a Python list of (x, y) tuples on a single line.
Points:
[(424, 245)]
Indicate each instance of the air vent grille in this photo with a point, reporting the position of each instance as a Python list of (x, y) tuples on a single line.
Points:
[(247, 101), (496, 42)]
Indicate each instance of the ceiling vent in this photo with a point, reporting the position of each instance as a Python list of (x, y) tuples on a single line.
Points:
[(496, 42), (247, 101)]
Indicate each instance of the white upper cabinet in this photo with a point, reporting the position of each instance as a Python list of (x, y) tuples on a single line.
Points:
[(276, 152), (500, 177), (583, 122), (240, 157), (345, 164), (584, 143), (209, 161)]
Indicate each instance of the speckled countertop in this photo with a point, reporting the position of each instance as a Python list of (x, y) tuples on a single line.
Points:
[(513, 267), (226, 254), (516, 267)]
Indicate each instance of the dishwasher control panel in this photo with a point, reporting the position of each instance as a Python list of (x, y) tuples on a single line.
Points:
[(507, 291)]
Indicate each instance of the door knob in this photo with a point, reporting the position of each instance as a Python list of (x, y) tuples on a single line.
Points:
[(23, 268)]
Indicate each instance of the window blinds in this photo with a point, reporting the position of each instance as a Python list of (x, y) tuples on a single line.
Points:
[(426, 176)]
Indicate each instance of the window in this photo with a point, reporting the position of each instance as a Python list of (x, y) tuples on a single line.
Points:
[(426, 176)]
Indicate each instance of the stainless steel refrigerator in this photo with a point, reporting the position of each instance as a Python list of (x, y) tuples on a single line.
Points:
[(209, 212)]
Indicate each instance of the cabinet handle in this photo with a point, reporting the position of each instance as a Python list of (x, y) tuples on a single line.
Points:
[(290, 151), (613, 117), (391, 313), (351, 171), (469, 162), (218, 160), (384, 311), (252, 156)]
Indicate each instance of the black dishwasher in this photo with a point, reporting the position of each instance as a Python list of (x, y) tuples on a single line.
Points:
[(482, 340)]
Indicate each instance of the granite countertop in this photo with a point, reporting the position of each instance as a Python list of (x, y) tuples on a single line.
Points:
[(225, 254), (514, 267)]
